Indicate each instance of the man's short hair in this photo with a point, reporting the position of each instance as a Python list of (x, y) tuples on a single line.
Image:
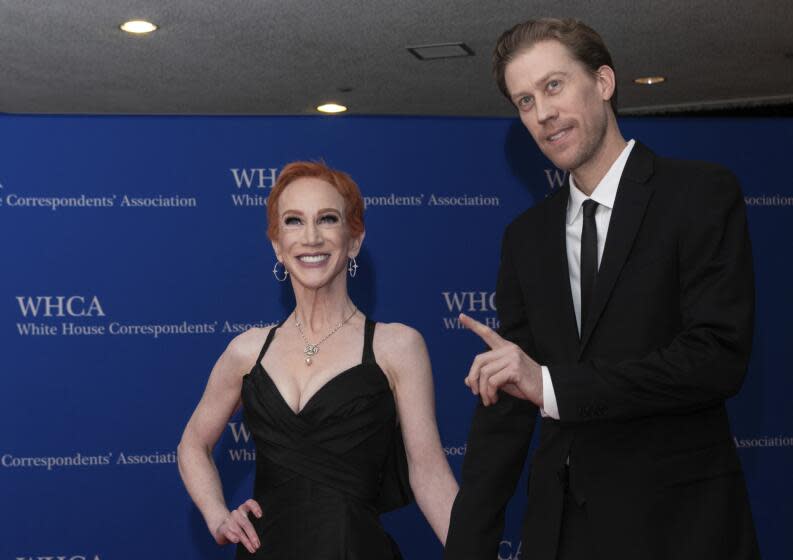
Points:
[(583, 42)]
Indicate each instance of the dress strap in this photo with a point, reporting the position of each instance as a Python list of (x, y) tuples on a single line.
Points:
[(268, 340), (368, 338)]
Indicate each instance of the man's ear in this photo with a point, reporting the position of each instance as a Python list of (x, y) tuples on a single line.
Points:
[(607, 81)]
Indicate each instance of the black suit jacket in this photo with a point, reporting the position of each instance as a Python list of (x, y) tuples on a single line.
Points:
[(641, 393)]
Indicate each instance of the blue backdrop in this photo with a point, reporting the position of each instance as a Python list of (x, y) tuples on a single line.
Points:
[(134, 249)]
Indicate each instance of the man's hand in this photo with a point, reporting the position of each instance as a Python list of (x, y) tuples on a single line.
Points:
[(505, 367)]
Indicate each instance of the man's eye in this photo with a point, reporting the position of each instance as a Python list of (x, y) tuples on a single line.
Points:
[(525, 101), (554, 84)]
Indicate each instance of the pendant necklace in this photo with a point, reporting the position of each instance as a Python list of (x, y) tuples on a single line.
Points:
[(311, 349)]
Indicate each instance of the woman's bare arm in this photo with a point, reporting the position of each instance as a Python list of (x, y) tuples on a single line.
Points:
[(406, 361), (194, 453)]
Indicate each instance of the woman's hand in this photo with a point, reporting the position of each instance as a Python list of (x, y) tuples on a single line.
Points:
[(236, 527)]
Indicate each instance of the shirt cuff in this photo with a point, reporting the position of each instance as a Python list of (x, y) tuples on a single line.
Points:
[(549, 406)]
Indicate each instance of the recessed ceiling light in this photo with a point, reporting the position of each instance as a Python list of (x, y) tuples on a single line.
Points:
[(440, 50), (650, 80), (331, 108), (137, 26)]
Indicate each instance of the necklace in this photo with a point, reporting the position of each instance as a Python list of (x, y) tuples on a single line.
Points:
[(311, 349)]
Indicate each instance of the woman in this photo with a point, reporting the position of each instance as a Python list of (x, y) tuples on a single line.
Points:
[(321, 394)]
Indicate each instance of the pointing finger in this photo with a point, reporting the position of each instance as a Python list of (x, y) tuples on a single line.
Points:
[(491, 337)]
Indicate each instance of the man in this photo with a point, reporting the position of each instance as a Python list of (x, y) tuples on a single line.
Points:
[(626, 305)]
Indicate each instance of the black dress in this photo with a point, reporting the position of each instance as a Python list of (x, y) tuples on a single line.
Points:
[(324, 474)]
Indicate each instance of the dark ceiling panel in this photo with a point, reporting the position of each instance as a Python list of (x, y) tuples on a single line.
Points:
[(285, 56)]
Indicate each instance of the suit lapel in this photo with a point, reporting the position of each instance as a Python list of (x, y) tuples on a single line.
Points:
[(626, 217), (558, 277)]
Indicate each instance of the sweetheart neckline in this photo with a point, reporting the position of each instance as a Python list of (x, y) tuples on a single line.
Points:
[(298, 414)]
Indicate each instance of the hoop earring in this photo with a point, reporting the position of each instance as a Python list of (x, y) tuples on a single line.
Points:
[(275, 272), (352, 267)]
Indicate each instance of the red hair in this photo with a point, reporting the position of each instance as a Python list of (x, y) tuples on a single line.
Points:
[(341, 181)]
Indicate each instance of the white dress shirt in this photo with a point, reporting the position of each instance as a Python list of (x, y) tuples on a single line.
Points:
[(604, 194)]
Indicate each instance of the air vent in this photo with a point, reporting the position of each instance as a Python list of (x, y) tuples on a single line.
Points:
[(440, 50)]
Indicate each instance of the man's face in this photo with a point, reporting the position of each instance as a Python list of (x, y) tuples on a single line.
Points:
[(561, 102)]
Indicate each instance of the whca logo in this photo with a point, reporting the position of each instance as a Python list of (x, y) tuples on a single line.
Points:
[(507, 550), (254, 177), (239, 432), (470, 301), (60, 306)]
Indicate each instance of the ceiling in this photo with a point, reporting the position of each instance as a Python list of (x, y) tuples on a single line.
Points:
[(284, 57)]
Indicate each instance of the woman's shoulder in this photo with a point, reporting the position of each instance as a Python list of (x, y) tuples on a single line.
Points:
[(401, 353), (395, 339), (244, 348)]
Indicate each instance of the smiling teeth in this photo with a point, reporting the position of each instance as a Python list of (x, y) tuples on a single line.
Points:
[(313, 258), (557, 135)]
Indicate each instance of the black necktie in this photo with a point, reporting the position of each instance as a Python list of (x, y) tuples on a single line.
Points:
[(589, 258)]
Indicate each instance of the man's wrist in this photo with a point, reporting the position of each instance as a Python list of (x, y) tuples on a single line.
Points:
[(539, 394), (549, 405)]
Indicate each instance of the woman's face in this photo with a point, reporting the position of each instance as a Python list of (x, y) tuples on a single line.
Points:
[(313, 242)]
